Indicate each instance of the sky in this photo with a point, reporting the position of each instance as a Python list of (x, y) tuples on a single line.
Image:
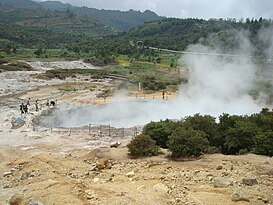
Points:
[(188, 8)]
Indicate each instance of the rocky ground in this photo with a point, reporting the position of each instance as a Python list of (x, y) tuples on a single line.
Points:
[(43, 166)]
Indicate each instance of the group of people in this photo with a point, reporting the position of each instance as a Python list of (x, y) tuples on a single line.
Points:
[(24, 107)]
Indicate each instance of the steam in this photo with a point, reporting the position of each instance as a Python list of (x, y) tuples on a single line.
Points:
[(217, 84)]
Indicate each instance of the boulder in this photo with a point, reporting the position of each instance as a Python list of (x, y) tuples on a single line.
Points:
[(34, 202), (221, 182), (115, 144), (238, 196), (17, 122), (130, 174), (161, 188), (249, 181), (16, 199)]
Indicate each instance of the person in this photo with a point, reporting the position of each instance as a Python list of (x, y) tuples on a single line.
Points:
[(22, 108), (28, 101), (36, 106), (47, 103), (25, 109), (52, 103), (163, 95)]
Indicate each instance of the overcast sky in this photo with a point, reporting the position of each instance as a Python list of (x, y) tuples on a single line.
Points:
[(188, 8)]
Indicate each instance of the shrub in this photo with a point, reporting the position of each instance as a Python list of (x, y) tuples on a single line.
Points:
[(207, 124), (264, 143), (160, 131), (187, 142), (142, 146), (240, 136)]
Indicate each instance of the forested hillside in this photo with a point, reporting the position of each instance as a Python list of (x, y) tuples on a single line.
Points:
[(119, 20)]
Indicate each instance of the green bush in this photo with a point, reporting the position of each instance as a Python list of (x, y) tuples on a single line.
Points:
[(240, 136), (187, 143), (263, 143), (160, 131), (207, 124), (142, 146)]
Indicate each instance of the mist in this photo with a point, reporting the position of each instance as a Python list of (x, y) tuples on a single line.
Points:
[(216, 85)]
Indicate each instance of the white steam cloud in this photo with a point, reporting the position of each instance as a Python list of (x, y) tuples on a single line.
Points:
[(217, 84)]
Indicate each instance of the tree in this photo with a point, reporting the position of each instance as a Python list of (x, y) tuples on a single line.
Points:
[(38, 52)]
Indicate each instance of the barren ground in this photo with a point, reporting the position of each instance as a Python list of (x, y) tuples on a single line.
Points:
[(57, 168)]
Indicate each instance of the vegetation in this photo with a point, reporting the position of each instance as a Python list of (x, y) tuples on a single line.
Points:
[(199, 134), (142, 146), (187, 142)]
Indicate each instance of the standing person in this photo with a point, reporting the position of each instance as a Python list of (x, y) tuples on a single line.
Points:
[(52, 103), (47, 103), (163, 95), (22, 108), (36, 106), (28, 102), (25, 109)]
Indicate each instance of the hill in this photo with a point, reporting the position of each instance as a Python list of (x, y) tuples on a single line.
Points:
[(23, 4), (119, 20), (31, 27)]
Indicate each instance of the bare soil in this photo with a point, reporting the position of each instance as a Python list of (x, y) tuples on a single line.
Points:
[(60, 168)]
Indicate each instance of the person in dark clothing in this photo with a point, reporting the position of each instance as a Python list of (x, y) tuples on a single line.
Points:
[(52, 103), (22, 108), (25, 109)]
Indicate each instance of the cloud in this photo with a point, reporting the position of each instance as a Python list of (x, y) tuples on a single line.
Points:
[(188, 8)]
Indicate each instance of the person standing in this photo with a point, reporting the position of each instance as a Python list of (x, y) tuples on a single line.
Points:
[(22, 108), (36, 106), (28, 102)]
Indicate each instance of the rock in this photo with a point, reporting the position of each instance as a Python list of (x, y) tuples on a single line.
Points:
[(103, 164), (96, 180), (130, 174), (17, 122), (24, 176), (7, 174), (238, 196), (161, 188), (16, 199), (115, 144), (221, 182), (34, 202), (249, 181), (219, 167), (224, 174), (231, 167)]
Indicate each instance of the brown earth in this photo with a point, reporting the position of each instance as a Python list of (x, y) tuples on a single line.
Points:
[(61, 168)]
